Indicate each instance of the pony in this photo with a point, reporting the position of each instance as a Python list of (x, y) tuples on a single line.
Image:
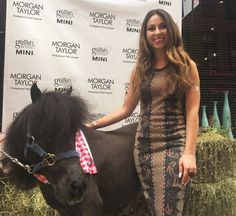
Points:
[(42, 138)]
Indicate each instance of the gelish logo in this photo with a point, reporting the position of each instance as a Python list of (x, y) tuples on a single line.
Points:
[(100, 54), (133, 25), (102, 20), (130, 55), (14, 115), (63, 84), (65, 49), (25, 47), (96, 116), (28, 8), (65, 16), (26, 44), (26, 80)]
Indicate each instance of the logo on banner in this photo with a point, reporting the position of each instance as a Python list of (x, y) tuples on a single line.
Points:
[(166, 2), (66, 49), (22, 81), (101, 85), (96, 116), (100, 53), (25, 47), (133, 25), (65, 16), (14, 115), (133, 118), (102, 20), (130, 55), (29, 10), (63, 84)]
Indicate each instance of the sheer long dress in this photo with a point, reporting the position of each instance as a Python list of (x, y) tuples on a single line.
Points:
[(160, 141)]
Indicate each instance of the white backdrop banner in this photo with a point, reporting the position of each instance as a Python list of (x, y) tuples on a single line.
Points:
[(91, 45)]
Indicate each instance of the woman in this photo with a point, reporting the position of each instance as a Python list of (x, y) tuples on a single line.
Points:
[(166, 82)]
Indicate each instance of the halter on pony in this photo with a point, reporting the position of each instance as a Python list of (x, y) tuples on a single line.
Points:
[(48, 159)]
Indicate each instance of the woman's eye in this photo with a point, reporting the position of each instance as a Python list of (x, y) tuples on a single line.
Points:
[(151, 28), (162, 26)]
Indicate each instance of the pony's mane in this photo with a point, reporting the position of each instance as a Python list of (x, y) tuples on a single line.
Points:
[(55, 117)]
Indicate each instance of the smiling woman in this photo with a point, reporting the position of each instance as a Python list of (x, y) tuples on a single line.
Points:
[(157, 32), (162, 80)]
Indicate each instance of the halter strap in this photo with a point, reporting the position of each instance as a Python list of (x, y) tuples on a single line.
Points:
[(35, 148), (53, 159), (48, 159)]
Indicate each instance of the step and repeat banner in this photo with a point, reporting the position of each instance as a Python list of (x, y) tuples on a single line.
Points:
[(91, 45)]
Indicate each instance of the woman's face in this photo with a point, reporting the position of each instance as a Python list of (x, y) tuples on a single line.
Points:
[(156, 32)]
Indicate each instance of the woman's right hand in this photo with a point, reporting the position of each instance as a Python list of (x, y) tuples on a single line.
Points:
[(91, 125), (131, 100)]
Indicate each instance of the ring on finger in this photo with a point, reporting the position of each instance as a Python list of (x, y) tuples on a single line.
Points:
[(191, 174)]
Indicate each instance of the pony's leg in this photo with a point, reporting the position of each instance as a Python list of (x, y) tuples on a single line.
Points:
[(91, 204)]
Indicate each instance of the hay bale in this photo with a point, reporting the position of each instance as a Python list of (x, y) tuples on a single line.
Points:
[(216, 156), (218, 199), (16, 202), (213, 189)]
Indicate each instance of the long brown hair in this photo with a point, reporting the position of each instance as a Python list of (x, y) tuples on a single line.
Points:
[(174, 50)]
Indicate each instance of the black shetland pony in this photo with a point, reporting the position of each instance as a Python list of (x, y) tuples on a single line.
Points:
[(43, 136)]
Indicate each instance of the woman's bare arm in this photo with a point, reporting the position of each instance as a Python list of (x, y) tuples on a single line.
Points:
[(131, 100)]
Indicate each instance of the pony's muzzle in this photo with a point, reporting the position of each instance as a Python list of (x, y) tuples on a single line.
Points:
[(77, 191), (78, 187)]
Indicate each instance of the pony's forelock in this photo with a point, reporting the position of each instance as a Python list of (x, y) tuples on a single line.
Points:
[(55, 116)]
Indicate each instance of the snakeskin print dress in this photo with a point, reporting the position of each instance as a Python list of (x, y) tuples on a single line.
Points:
[(160, 141)]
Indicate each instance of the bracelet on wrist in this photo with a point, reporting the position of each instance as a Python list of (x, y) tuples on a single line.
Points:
[(94, 123)]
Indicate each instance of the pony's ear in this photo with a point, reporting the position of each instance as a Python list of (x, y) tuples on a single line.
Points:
[(68, 92), (35, 93)]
